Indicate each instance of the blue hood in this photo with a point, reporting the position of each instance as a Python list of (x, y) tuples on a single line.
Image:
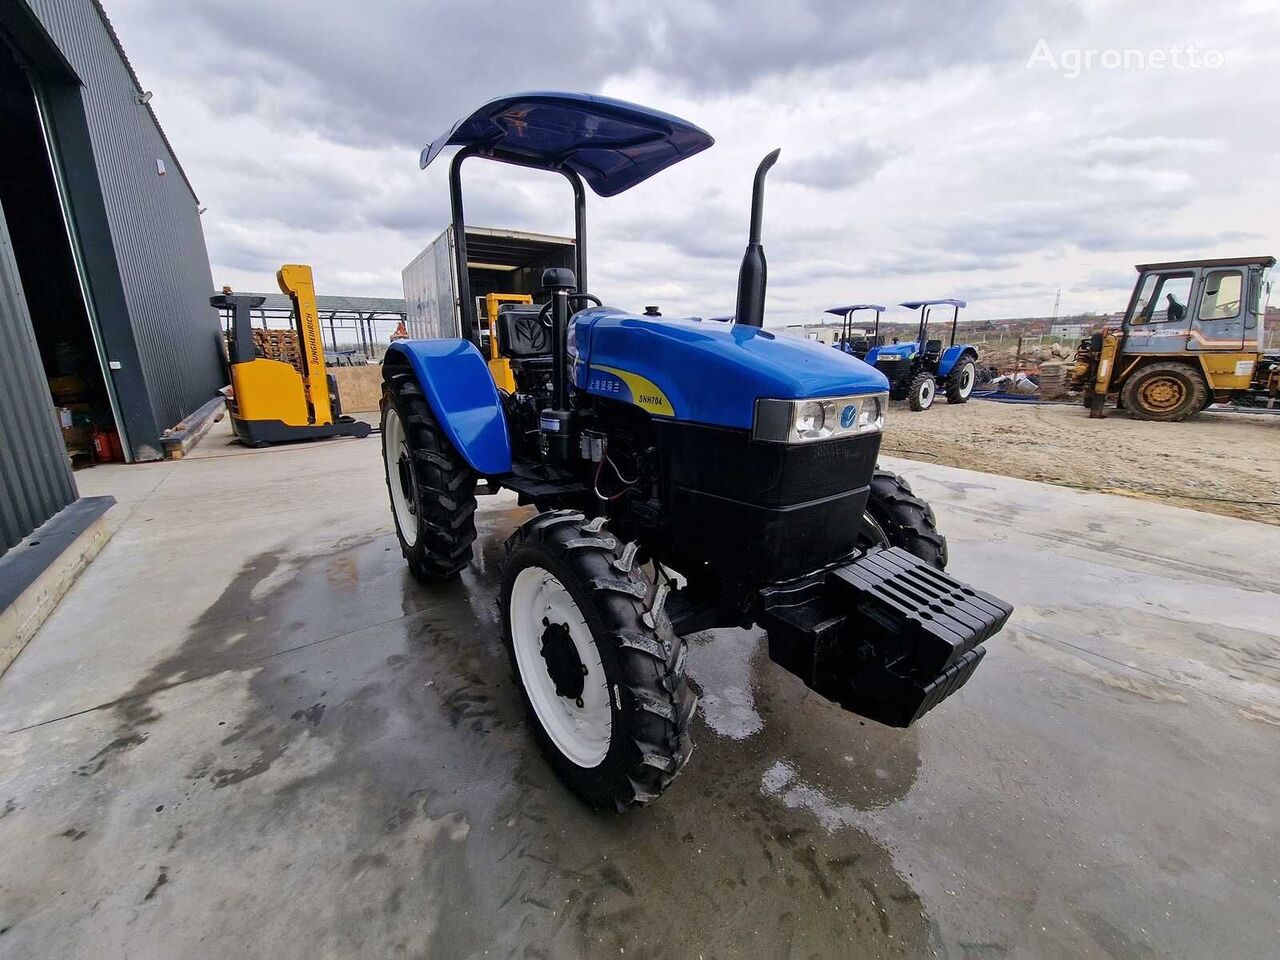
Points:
[(706, 372), (900, 351)]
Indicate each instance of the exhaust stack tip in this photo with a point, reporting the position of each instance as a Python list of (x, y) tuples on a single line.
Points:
[(753, 274)]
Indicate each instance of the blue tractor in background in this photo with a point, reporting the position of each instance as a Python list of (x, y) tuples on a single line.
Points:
[(685, 476), (919, 368), (856, 345)]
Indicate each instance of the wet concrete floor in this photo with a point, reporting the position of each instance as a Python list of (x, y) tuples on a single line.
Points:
[(247, 732)]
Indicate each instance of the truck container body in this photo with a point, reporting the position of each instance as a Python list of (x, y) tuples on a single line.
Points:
[(498, 261)]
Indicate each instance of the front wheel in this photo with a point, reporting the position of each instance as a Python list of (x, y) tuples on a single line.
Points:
[(922, 391), (432, 488), (960, 381), (896, 517), (1165, 391), (598, 664)]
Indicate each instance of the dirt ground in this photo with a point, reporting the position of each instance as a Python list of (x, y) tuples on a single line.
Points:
[(1203, 463)]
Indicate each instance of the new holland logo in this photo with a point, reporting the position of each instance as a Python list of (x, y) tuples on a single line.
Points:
[(848, 413)]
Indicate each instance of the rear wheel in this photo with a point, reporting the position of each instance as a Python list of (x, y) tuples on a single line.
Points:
[(1165, 391), (599, 667), (922, 391), (961, 380), (896, 517), (432, 487)]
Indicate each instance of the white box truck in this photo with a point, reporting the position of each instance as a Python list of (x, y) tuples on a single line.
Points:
[(498, 261)]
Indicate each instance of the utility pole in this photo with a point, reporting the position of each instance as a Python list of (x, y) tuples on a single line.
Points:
[(1057, 301)]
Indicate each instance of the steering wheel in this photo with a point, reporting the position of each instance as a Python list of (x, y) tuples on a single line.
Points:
[(544, 315)]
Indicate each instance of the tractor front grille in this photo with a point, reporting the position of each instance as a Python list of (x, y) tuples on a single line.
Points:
[(757, 512), (728, 463)]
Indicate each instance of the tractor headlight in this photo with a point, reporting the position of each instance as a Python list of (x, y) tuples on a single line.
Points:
[(810, 419), (871, 413), (804, 421)]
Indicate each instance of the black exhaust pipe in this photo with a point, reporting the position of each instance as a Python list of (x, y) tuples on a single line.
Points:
[(754, 272)]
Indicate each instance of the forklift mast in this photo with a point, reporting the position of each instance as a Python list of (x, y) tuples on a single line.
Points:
[(296, 282)]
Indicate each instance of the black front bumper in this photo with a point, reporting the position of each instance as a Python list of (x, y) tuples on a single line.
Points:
[(885, 635)]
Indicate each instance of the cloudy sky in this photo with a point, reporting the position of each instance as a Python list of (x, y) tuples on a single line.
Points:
[(964, 149)]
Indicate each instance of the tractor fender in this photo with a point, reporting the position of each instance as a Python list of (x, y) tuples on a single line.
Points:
[(951, 356), (462, 395)]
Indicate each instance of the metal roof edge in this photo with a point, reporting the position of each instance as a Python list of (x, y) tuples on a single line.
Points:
[(137, 84)]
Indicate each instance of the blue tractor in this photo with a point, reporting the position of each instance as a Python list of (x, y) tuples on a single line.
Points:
[(856, 346), (919, 368), (685, 476)]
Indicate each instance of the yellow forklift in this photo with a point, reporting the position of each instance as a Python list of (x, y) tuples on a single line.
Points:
[(492, 307), (271, 401), (1192, 336)]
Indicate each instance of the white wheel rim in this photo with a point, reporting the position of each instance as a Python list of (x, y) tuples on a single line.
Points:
[(966, 380), (926, 393), (394, 448), (581, 733)]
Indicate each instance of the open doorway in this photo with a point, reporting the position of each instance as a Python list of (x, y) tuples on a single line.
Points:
[(50, 280)]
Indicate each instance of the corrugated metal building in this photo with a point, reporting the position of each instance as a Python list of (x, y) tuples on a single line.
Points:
[(104, 274)]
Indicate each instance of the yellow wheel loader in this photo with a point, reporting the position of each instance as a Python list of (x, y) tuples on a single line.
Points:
[(1192, 335)]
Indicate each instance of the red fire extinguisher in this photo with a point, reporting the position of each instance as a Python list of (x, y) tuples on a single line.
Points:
[(106, 446), (101, 446)]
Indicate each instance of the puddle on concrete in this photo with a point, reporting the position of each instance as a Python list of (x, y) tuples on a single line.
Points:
[(387, 777), (722, 663), (354, 776)]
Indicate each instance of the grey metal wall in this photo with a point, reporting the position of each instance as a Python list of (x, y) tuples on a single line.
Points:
[(154, 314), (35, 481)]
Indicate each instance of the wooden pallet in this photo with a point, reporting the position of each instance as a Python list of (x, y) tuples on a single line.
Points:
[(278, 345)]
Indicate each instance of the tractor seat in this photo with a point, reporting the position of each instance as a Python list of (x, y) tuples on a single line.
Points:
[(860, 345), (521, 335), (932, 348)]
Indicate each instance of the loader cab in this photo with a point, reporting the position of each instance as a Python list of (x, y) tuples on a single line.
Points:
[(1198, 306)]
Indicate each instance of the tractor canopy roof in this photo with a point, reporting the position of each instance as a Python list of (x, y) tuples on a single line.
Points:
[(611, 144), (841, 311), (917, 304)]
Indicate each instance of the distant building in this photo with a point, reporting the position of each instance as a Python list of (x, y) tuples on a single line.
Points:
[(1067, 331)]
